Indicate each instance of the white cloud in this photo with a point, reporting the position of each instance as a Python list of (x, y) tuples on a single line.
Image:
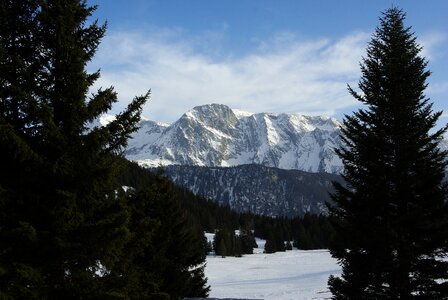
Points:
[(284, 74), (431, 42)]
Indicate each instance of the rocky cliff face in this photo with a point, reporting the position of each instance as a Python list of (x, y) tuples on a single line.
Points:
[(217, 136)]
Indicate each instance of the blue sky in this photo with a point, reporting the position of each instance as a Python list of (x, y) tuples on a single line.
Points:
[(257, 55)]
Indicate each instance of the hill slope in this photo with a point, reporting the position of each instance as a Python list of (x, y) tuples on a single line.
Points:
[(258, 189)]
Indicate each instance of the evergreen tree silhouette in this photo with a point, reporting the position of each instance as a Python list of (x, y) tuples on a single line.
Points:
[(391, 218)]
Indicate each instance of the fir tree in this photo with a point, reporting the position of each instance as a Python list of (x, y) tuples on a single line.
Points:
[(270, 246), (134, 276), (279, 238), (237, 246), (165, 256), (222, 243), (302, 240), (248, 242), (62, 222), (391, 217), (176, 254), (222, 250)]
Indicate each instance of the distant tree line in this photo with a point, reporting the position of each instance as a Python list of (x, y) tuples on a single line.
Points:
[(307, 232), (228, 243)]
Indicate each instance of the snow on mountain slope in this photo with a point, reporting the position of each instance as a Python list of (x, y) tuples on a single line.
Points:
[(148, 134), (215, 135)]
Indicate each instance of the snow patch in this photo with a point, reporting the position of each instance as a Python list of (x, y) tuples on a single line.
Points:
[(241, 113), (296, 274), (106, 119)]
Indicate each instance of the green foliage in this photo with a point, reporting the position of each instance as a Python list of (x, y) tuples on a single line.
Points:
[(224, 243), (221, 242), (235, 244), (221, 249), (391, 219), (275, 241), (173, 254), (271, 245), (247, 240), (66, 230), (177, 250), (309, 232), (227, 243)]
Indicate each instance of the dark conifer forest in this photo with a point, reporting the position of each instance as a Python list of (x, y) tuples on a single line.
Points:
[(67, 230), (391, 218), (310, 232)]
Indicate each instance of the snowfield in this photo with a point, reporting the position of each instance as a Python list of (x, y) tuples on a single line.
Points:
[(295, 274)]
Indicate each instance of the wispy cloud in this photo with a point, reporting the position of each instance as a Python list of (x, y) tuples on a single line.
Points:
[(283, 74), (431, 42)]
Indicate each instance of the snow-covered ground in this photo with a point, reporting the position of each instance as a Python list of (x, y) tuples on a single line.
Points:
[(288, 275)]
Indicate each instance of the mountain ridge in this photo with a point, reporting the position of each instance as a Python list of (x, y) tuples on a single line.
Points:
[(214, 135)]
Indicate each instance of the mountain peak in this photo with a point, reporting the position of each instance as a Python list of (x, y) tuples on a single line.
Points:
[(213, 107), (217, 116), (214, 135)]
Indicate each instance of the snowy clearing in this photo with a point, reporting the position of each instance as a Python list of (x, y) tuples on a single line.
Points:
[(288, 275)]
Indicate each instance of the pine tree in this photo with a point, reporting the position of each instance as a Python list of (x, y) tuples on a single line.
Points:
[(248, 242), (176, 253), (391, 217), (133, 276), (302, 239), (270, 246), (222, 250), (279, 238), (17, 236), (237, 246), (165, 257), (62, 222), (222, 243)]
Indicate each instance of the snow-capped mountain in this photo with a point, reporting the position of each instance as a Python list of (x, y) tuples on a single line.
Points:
[(216, 136)]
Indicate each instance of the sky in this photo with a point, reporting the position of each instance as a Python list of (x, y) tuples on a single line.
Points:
[(275, 56)]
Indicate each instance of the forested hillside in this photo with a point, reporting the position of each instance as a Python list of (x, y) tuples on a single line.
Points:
[(258, 189), (308, 232)]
